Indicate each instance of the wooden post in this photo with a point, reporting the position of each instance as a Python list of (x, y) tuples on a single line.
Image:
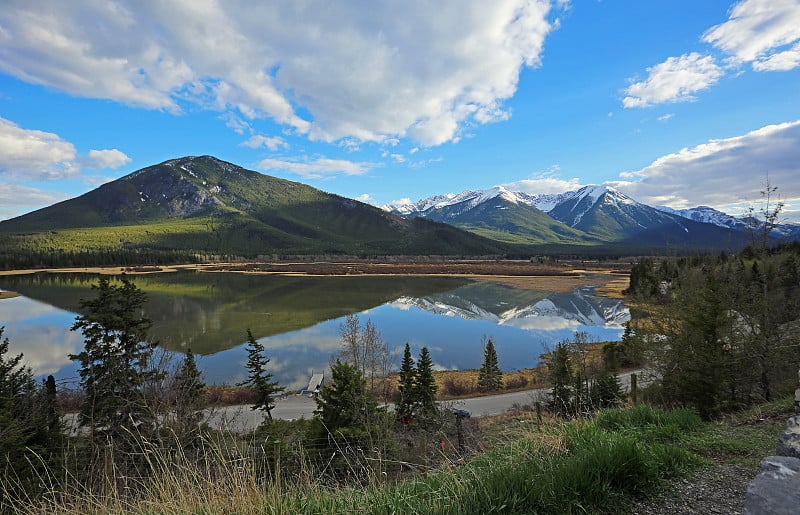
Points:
[(634, 388)]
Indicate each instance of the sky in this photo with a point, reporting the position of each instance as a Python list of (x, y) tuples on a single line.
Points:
[(674, 102)]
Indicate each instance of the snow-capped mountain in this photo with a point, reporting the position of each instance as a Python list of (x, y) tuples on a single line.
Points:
[(463, 201), (745, 224), (593, 214)]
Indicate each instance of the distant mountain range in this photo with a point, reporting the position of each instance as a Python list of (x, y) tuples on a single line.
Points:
[(206, 205), (592, 215)]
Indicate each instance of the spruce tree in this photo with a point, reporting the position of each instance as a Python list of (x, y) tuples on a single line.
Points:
[(559, 365), (350, 432), (425, 389), (115, 365), (405, 405), (490, 377), (258, 379)]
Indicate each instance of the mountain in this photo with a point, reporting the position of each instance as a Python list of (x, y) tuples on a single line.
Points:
[(498, 214), (612, 216), (592, 215), (205, 205), (745, 224)]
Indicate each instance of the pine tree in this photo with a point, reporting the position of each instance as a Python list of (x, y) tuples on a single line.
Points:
[(425, 389), (405, 406), (490, 377), (559, 365), (258, 379), (115, 365)]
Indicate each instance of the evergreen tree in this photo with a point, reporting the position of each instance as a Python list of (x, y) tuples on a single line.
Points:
[(425, 389), (258, 379), (490, 377), (344, 404), (559, 365), (350, 430), (115, 365), (30, 427), (405, 405), (189, 391)]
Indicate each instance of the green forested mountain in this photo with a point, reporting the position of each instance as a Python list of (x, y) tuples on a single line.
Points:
[(205, 205), (513, 222)]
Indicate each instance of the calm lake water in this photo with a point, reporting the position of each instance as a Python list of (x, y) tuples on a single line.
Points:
[(298, 318)]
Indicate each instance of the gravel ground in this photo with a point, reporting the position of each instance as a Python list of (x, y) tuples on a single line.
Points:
[(719, 489)]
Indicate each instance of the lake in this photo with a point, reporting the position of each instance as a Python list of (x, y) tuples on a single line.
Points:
[(297, 319)]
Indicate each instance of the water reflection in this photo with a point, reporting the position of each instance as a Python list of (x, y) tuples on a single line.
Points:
[(297, 319)]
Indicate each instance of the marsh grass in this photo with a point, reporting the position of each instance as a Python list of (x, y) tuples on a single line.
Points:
[(555, 467)]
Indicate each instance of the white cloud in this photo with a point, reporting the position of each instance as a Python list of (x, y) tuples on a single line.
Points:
[(401, 201), (316, 168), (544, 185), (99, 159), (721, 172), (545, 182), (665, 117), (33, 153), (674, 80), (759, 32), (16, 199), (366, 198), (418, 68), (779, 62), (39, 155), (271, 142)]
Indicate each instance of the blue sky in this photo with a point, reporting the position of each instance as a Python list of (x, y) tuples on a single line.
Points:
[(678, 103)]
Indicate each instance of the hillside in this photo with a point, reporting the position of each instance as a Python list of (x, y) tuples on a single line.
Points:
[(205, 205)]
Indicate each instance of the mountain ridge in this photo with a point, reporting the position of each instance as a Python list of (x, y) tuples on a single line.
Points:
[(591, 215), (204, 204)]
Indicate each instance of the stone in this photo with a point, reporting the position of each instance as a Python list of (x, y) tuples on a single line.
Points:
[(776, 489), (789, 439)]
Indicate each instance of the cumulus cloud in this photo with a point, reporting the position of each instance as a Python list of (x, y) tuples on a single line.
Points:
[(39, 155), (674, 80), (759, 32), (419, 69), (316, 168), (99, 159), (271, 142), (721, 172), (34, 153), (16, 199), (544, 183)]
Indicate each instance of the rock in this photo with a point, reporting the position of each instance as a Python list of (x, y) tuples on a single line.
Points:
[(776, 489), (789, 439)]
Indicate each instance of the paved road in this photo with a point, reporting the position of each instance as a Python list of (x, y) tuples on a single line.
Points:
[(242, 418)]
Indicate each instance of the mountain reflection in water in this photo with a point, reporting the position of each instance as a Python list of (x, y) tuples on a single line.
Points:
[(298, 319)]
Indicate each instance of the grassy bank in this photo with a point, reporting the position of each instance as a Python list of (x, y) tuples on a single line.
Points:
[(527, 466)]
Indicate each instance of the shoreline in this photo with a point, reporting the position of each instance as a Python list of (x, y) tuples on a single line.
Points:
[(609, 280)]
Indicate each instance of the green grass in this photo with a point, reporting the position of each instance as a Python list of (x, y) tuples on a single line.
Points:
[(595, 466)]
